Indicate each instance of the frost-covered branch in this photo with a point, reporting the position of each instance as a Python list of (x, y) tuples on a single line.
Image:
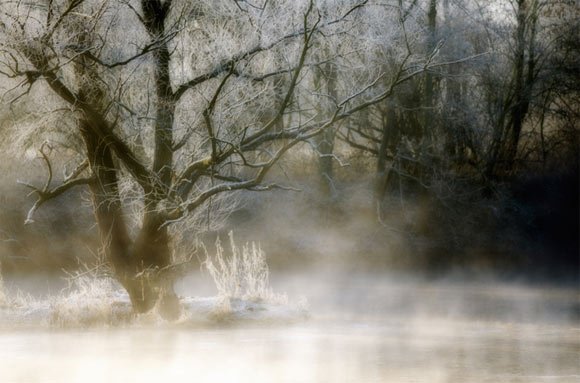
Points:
[(46, 193)]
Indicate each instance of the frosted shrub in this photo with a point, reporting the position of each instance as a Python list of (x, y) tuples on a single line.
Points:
[(243, 274), (90, 299)]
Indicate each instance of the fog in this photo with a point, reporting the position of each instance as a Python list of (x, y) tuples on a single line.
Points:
[(289, 191), (359, 327), (355, 301), (352, 301)]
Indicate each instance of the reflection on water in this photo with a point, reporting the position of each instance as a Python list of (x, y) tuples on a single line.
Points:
[(362, 329)]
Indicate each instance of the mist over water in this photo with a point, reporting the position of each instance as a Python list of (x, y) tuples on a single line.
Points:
[(361, 327)]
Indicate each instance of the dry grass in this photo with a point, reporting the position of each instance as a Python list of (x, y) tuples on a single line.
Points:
[(89, 302), (92, 297)]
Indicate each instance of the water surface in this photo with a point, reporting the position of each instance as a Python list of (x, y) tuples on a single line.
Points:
[(361, 329)]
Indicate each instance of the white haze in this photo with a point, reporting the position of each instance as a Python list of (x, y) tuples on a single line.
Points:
[(361, 327)]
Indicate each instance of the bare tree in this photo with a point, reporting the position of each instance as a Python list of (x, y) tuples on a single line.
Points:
[(177, 104)]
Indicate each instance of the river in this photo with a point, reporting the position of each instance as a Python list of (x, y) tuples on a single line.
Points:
[(360, 328)]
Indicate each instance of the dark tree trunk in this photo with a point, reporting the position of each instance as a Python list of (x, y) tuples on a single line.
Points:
[(388, 141), (110, 220), (503, 151), (518, 109), (151, 250), (524, 76), (152, 253), (135, 264), (428, 126)]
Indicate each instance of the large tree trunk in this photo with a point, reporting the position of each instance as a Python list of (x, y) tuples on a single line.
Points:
[(135, 265), (109, 214), (152, 253), (151, 250)]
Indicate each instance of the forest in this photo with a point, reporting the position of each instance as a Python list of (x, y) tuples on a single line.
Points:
[(426, 136)]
